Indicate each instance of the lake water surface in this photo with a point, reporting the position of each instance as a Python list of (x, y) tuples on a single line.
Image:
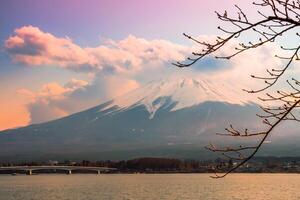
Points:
[(150, 186)]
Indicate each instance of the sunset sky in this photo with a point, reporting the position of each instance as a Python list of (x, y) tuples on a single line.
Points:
[(62, 56)]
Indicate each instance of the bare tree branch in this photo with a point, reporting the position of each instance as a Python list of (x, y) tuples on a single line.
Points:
[(283, 17)]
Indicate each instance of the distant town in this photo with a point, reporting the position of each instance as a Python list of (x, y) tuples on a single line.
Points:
[(157, 165)]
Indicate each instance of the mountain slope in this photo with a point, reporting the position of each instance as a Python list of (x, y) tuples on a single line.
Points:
[(171, 118)]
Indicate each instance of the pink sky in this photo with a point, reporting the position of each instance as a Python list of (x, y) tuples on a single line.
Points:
[(60, 57)]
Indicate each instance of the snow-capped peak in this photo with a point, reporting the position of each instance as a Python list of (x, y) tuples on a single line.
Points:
[(185, 91)]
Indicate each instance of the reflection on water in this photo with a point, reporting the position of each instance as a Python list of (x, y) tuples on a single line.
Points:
[(147, 186)]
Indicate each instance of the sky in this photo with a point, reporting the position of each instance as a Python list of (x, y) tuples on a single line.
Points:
[(59, 57)]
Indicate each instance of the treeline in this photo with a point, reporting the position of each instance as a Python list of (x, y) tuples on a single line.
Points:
[(156, 164), (136, 165), (170, 165)]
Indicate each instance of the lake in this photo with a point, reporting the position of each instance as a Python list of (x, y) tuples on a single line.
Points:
[(150, 186)]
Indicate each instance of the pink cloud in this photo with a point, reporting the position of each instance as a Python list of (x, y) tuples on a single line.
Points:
[(46, 104), (53, 101), (54, 90), (31, 46), (117, 86)]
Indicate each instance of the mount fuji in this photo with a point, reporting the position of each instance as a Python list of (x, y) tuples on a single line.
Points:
[(174, 117)]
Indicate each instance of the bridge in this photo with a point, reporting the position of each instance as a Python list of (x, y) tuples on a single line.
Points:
[(30, 169)]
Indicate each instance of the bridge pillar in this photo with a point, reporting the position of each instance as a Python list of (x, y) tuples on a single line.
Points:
[(69, 172), (99, 172), (29, 172)]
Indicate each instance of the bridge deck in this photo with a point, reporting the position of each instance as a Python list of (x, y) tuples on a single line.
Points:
[(57, 167)]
